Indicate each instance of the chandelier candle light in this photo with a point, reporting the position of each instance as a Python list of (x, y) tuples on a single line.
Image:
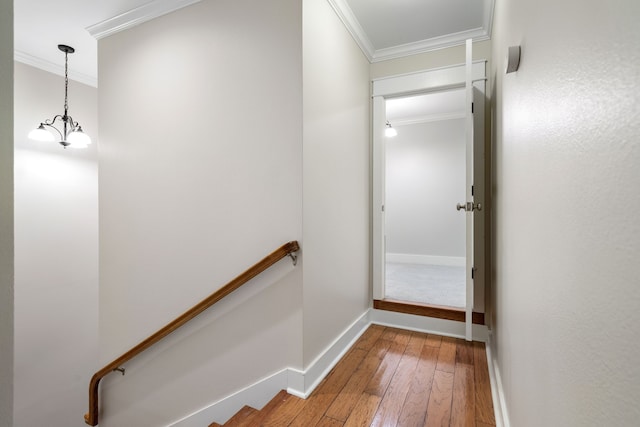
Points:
[(71, 134)]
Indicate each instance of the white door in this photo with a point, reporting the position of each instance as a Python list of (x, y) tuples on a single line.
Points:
[(468, 206)]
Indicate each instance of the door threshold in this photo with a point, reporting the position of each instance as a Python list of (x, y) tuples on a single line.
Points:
[(426, 310)]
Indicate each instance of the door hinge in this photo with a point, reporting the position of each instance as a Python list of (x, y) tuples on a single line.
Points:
[(472, 190), (472, 108), (473, 272), (382, 208)]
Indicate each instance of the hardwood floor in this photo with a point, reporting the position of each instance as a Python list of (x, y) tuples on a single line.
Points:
[(391, 378)]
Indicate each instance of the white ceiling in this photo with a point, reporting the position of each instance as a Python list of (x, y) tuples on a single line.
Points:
[(382, 28), (428, 107), (40, 25), (386, 29)]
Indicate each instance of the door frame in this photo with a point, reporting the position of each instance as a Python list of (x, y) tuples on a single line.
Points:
[(432, 80)]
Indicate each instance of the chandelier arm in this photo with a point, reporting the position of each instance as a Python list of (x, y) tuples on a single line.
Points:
[(74, 125), (54, 128), (53, 120)]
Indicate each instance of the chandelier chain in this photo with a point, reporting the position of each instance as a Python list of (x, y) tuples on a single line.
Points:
[(66, 82)]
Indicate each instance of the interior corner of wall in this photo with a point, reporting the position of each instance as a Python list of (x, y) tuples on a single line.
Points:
[(497, 389)]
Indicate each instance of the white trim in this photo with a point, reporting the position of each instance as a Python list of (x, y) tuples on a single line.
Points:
[(51, 67), (435, 79), (256, 395), (431, 325), (469, 216), (136, 16), (497, 391), (320, 367), (428, 119), (487, 22), (295, 383), (352, 25), (378, 199), (435, 43), (426, 259), (444, 67)]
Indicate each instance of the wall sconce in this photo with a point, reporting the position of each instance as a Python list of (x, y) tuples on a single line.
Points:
[(390, 132), (71, 134)]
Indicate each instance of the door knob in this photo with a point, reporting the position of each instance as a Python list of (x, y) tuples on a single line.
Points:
[(469, 207)]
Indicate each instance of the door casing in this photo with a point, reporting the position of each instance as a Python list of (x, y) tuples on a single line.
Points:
[(433, 80)]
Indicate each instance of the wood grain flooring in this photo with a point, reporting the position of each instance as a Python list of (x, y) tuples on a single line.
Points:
[(391, 378)]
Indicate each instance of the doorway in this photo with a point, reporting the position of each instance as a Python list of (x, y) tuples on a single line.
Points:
[(465, 205), (425, 167)]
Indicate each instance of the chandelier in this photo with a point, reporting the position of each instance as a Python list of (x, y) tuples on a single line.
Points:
[(71, 133)]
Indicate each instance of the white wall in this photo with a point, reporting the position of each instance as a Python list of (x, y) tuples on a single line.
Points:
[(425, 178), (56, 255), (336, 167), (567, 235), (6, 214), (200, 177)]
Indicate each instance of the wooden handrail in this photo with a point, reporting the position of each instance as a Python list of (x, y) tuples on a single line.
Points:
[(287, 249)]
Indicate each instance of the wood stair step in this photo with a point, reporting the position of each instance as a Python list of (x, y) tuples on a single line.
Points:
[(272, 405), (277, 412), (244, 414), (282, 410)]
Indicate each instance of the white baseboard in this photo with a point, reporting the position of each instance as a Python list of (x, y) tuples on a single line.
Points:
[(302, 383), (497, 391), (426, 259), (320, 367), (296, 382), (256, 395), (412, 322)]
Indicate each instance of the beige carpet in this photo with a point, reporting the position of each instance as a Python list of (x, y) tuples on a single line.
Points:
[(427, 284)]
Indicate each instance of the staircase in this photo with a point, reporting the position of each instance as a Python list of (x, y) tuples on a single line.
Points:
[(390, 377), (278, 412)]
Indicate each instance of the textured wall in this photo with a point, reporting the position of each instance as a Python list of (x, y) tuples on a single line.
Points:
[(6, 214), (336, 178), (567, 238)]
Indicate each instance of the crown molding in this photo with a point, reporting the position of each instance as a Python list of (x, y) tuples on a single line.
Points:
[(487, 18), (42, 64), (435, 43), (137, 16), (349, 20)]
